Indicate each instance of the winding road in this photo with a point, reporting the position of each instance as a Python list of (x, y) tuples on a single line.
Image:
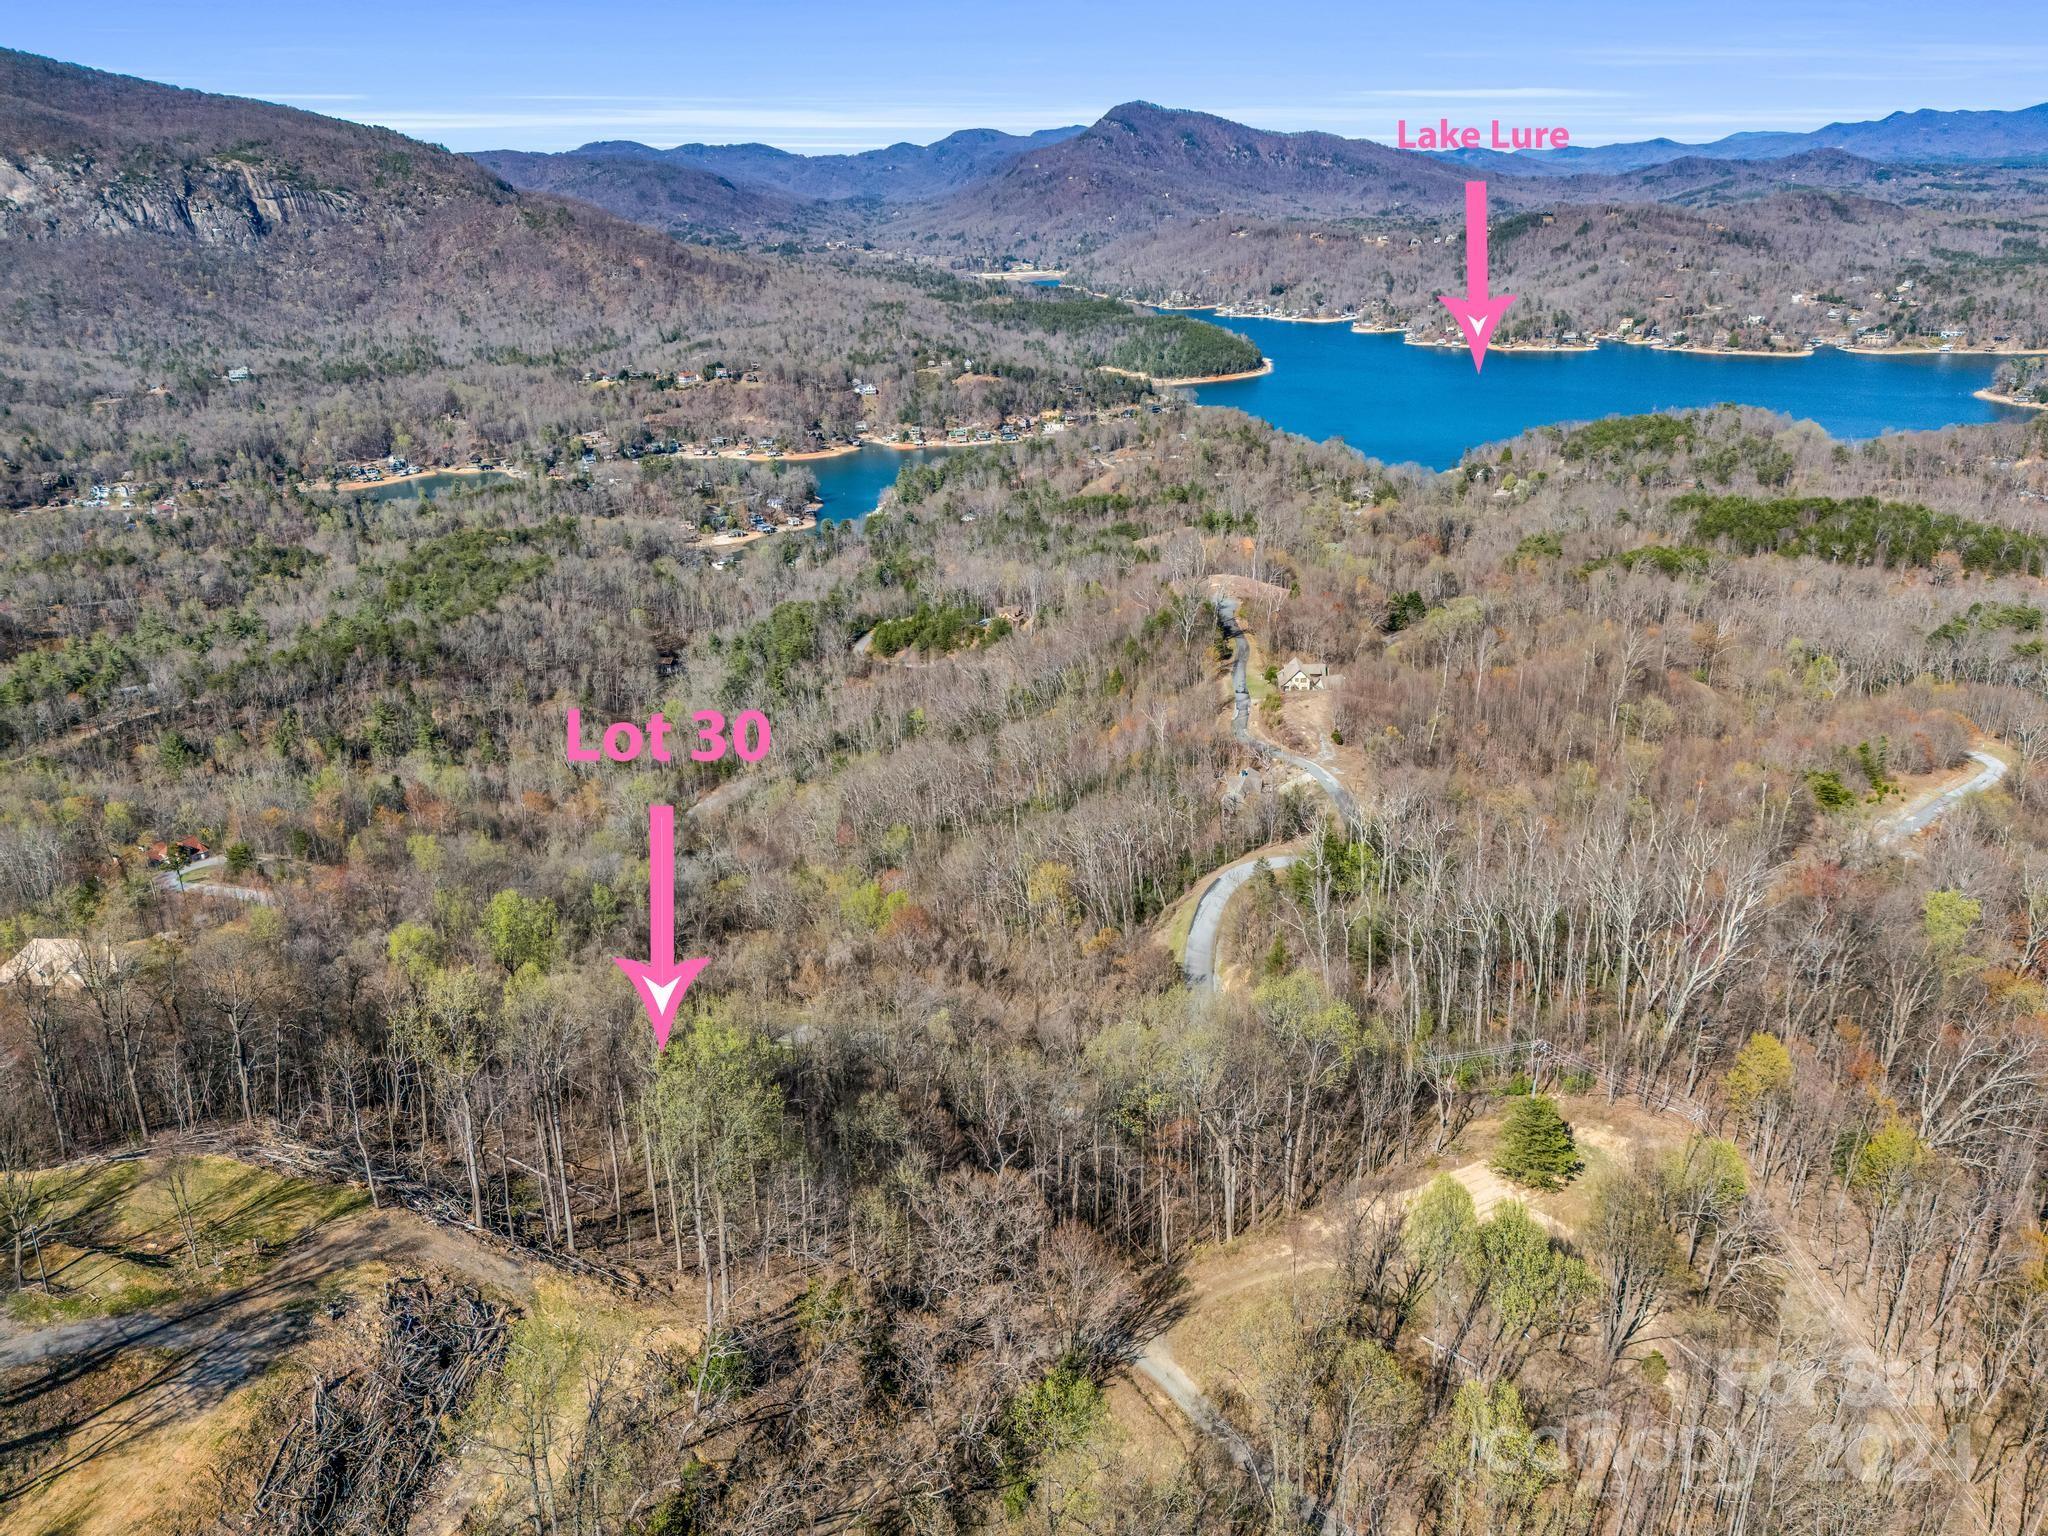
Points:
[(1916, 819), (1155, 1360), (1198, 962), (1241, 719), (174, 880), (1156, 1364)]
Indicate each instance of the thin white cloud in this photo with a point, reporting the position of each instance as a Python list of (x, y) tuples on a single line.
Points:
[(1792, 122), (1979, 53), (923, 108), (559, 120)]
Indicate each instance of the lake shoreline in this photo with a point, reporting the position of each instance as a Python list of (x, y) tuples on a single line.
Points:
[(1734, 351), (842, 450), (1997, 399), (1259, 372), (1192, 381), (1459, 344), (1421, 404), (896, 447), (466, 471), (1939, 351), (1233, 314), (806, 456)]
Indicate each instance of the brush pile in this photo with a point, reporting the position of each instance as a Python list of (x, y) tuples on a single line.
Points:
[(357, 1457)]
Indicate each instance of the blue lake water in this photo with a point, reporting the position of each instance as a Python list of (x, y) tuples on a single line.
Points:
[(427, 487), (1425, 405), (852, 483), (1398, 403)]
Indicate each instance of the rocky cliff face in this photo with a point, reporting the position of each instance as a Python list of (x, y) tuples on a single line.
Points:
[(218, 201)]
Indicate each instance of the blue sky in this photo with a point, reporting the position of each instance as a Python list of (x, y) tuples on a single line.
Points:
[(846, 75)]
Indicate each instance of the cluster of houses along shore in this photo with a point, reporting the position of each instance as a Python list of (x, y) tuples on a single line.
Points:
[(1868, 315), (398, 467), (673, 378), (589, 448), (817, 439)]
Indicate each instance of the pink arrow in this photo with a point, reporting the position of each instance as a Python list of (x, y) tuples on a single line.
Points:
[(1477, 314), (659, 980)]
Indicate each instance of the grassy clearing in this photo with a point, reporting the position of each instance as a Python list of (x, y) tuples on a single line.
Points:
[(137, 1234), (565, 1341), (1572, 1206), (1218, 1353), (555, 1340), (1081, 1487), (1256, 662), (167, 1480), (38, 1437), (203, 1424)]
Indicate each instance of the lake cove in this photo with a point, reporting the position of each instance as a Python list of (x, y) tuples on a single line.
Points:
[(427, 486), (850, 484), (1406, 404)]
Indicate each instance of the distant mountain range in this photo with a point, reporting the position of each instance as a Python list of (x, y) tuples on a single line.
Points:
[(682, 199), (899, 173), (1907, 138), (1142, 161), (1142, 165), (1136, 164)]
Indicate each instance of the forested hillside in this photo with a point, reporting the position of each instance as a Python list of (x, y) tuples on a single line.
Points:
[(263, 289), (1726, 262), (895, 173), (679, 199), (1616, 791)]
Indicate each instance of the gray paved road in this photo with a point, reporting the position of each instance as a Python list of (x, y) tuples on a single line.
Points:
[(174, 880), (1917, 820), (1199, 961), (1241, 719), (1156, 1364)]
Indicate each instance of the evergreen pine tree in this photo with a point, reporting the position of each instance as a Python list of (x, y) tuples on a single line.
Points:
[(1536, 1146)]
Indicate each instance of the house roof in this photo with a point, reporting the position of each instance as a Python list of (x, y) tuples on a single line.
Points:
[(158, 852), (1296, 667), (47, 963)]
